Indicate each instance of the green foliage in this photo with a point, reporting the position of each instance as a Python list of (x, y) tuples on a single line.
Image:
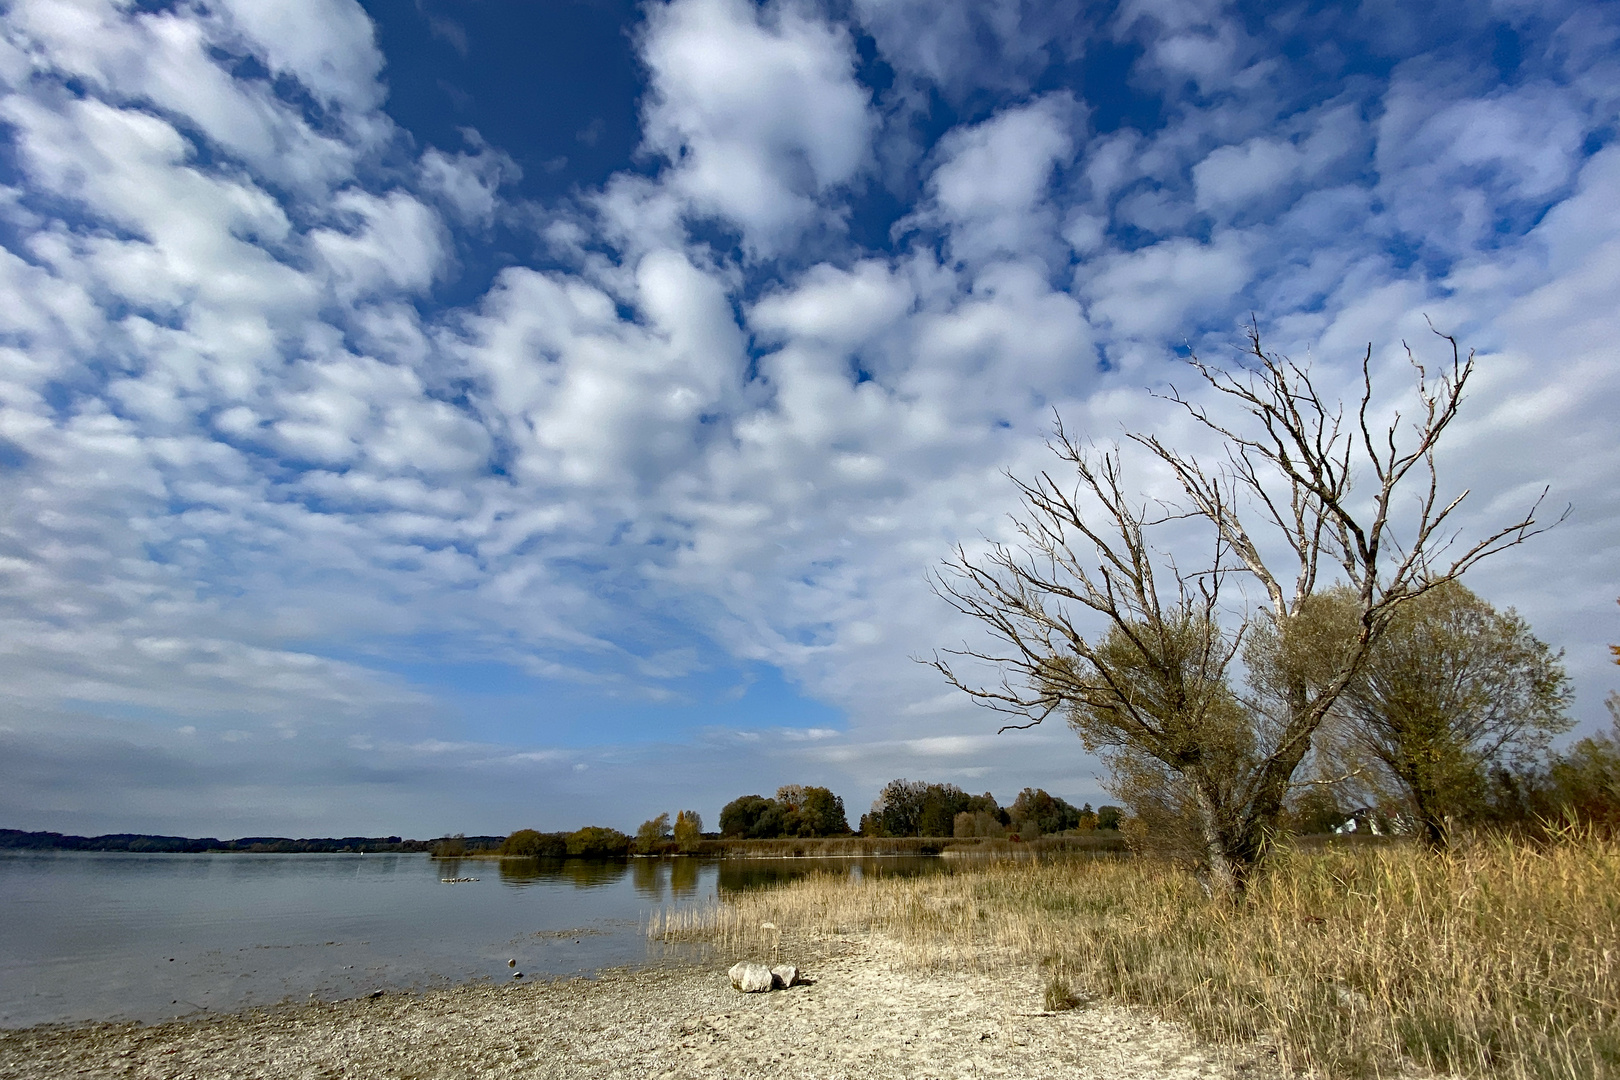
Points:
[(797, 810), (913, 808), (1183, 751), (1110, 817), (594, 842), (972, 823), (1035, 813), (1580, 785), (1451, 692), (688, 830), (522, 844), (652, 834), (1315, 811), (813, 811), (752, 817)]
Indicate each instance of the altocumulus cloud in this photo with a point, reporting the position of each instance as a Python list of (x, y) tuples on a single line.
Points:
[(311, 524)]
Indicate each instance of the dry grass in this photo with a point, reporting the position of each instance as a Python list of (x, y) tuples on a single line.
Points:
[(859, 846), (1501, 959)]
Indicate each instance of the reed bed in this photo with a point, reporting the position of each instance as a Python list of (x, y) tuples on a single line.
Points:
[(864, 846), (1501, 959)]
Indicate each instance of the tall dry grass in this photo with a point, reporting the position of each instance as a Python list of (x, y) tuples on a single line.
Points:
[(1501, 959)]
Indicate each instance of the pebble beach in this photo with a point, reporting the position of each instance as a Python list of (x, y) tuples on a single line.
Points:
[(861, 1014)]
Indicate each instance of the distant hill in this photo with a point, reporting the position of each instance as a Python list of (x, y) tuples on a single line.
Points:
[(17, 840)]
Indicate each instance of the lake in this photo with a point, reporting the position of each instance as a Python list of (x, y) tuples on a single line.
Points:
[(113, 935)]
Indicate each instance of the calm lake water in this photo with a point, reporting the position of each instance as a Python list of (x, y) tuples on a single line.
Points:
[(104, 935)]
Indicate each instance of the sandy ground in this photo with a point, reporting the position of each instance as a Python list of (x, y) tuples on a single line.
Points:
[(863, 1016)]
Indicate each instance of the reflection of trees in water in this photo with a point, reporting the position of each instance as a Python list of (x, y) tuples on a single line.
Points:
[(653, 877), (645, 875), (580, 873), (679, 878), (683, 878)]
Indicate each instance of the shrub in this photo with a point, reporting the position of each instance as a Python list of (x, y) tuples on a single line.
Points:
[(529, 844), (594, 842)]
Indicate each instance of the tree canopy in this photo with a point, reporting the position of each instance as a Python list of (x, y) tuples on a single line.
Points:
[(1094, 618), (1452, 689)]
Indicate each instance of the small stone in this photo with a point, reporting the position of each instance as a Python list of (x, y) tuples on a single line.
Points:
[(375, 994), (511, 963), (517, 974), (784, 975), (767, 926), (751, 978), (1350, 999)]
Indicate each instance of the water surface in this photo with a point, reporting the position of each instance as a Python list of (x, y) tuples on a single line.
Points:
[(115, 935)]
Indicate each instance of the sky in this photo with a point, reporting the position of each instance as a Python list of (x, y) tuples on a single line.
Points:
[(437, 417)]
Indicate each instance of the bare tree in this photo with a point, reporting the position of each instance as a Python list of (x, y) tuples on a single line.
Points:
[(1094, 621)]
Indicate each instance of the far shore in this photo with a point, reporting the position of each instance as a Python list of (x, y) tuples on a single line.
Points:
[(864, 847)]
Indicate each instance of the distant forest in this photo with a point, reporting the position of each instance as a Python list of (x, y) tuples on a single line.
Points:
[(17, 840), (904, 809)]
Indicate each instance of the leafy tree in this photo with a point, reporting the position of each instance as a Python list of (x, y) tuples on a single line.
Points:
[(941, 804), (1093, 621), (971, 823), (914, 808), (1316, 810), (752, 817), (594, 842), (1583, 783), (819, 812), (528, 844), (652, 834), (1109, 817), (897, 811), (1452, 689), (688, 829), (1035, 813), (797, 810)]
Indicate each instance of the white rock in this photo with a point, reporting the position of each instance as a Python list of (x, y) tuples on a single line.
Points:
[(784, 975), (750, 978)]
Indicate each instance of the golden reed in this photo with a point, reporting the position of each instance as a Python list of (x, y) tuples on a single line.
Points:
[(1500, 959)]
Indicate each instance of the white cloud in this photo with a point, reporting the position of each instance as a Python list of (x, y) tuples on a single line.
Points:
[(470, 183), (327, 45), (1453, 165), (757, 111), (1153, 292), (396, 245), (255, 468), (963, 46), (990, 187)]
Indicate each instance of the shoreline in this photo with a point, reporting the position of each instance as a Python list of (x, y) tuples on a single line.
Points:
[(862, 1014)]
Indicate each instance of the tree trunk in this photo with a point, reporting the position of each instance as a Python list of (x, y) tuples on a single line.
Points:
[(1228, 870)]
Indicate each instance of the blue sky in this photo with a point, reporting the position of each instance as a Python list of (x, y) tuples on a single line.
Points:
[(432, 417)]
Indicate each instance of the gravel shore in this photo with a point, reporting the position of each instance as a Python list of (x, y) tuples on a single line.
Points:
[(862, 1016)]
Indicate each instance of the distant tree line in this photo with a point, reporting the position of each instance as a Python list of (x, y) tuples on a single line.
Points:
[(591, 842), (908, 808), (915, 808), (797, 810), (15, 840)]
